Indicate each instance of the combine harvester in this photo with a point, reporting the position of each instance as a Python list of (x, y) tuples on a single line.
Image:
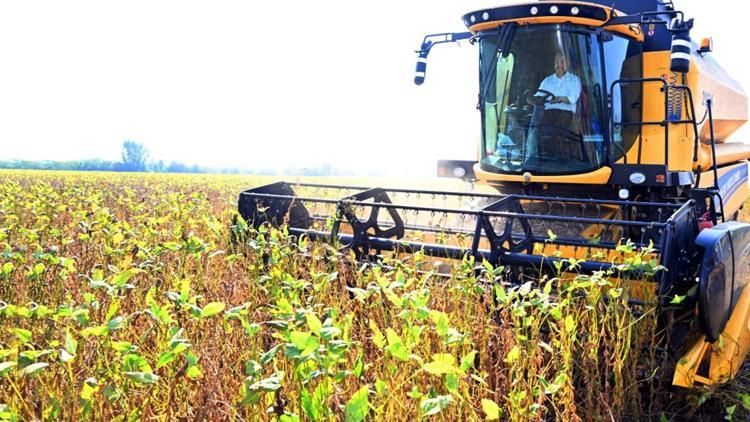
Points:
[(600, 127)]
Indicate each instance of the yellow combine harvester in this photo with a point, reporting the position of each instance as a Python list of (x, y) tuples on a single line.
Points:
[(600, 127)]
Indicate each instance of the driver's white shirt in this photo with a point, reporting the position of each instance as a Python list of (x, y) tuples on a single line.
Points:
[(567, 86)]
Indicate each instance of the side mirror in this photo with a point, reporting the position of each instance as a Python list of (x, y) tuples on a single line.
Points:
[(421, 71), (681, 45)]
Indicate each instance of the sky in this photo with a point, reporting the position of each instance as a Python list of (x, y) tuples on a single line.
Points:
[(257, 83)]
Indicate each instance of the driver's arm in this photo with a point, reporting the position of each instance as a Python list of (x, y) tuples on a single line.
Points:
[(572, 92), (544, 86)]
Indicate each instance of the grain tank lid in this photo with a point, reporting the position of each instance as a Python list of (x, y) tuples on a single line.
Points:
[(711, 68)]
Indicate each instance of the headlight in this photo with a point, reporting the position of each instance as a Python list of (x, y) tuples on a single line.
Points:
[(637, 178)]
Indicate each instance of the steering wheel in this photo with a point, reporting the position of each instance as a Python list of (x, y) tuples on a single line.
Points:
[(533, 99)]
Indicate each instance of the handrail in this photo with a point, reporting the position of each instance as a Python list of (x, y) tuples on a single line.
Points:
[(665, 123)]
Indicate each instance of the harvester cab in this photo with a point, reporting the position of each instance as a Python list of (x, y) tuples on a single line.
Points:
[(604, 132)]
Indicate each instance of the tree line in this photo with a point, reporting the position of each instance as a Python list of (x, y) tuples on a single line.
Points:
[(135, 158)]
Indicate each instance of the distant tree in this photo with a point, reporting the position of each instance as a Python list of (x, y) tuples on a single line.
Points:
[(177, 167), (134, 156), (157, 166)]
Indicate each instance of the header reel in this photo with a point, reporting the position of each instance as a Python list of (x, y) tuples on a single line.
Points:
[(526, 234)]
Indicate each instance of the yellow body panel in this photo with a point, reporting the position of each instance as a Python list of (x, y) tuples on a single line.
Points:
[(681, 136), (726, 355), (729, 152), (597, 177)]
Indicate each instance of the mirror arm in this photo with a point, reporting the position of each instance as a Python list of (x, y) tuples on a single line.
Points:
[(427, 44)]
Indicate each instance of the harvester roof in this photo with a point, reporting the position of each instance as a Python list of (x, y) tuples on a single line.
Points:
[(592, 14)]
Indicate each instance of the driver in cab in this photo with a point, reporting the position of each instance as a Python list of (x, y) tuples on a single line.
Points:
[(559, 92), (566, 88)]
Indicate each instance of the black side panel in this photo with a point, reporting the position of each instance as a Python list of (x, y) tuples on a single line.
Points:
[(725, 269)]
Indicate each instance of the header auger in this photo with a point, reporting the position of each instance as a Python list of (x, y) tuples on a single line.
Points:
[(604, 132)]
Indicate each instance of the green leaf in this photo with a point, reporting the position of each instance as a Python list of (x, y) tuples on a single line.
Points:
[(97, 331), (394, 298), (327, 333), (122, 346), (212, 309), (111, 393), (377, 338), (491, 410), (314, 404), (165, 359), (570, 324), (115, 323), (435, 405), (23, 335), (467, 362), (677, 299), (396, 346), (745, 400), (313, 323), (730, 412), (71, 345), (442, 323), (513, 355), (451, 383), (143, 377), (299, 339), (65, 357), (359, 365), (135, 363), (269, 355), (381, 388), (172, 246), (34, 368), (194, 372), (556, 312), (5, 367), (442, 363), (88, 391), (7, 267), (271, 383), (30, 356), (185, 290), (124, 276), (358, 405)]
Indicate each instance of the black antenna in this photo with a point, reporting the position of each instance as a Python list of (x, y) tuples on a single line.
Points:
[(611, 12)]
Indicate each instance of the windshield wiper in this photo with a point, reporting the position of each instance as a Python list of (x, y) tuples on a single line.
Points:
[(504, 37)]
